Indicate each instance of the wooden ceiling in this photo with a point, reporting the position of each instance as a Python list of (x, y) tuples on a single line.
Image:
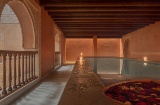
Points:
[(104, 18)]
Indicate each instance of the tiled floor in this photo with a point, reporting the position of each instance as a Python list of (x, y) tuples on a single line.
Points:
[(49, 91)]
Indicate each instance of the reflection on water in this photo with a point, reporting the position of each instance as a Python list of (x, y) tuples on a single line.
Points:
[(127, 68)]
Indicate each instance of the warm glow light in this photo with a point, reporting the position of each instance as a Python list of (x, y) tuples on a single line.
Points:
[(145, 58), (81, 54), (145, 64), (80, 62), (81, 59)]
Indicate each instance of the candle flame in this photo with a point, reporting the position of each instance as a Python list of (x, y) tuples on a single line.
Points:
[(145, 58), (81, 54)]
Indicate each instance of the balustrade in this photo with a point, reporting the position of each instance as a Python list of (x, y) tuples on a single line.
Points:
[(19, 68), (10, 73)]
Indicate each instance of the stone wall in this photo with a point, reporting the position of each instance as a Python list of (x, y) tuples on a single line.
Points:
[(144, 42), (105, 47), (108, 47), (74, 46)]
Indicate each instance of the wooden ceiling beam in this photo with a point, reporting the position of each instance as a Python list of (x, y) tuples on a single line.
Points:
[(92, 36), (109, 8), (62, 27), (106, 23), (98, 24), (118, 35), (100, 33), (107, 16), (98, 27), (100, 14), (97, 3), (94, 13), (105, 20), (101, 28), (140, 24), (105, 12), (98, 30)]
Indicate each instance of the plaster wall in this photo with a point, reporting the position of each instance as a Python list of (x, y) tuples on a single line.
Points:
[(105, 47), (47, 45), (74, 46), (108, 47), (145, 42)]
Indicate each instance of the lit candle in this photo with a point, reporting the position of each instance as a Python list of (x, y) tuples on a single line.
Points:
[(145, 59), (81, 54)]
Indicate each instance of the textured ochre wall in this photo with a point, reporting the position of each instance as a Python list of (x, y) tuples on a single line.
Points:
[(145, 42), (105, 47), (75, 46), (47, 43), (108, 47)]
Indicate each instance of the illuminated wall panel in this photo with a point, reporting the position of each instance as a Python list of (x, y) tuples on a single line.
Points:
[(74, 46), (108, 47)]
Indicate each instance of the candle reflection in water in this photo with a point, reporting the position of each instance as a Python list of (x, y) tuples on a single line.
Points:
[(81, 59)]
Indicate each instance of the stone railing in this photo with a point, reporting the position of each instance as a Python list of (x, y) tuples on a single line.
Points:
[(18, 68)]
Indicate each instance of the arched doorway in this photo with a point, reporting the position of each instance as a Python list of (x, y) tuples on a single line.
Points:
[(10, 31), (18, 31), (28, 20), (26, 23), (10, 35)]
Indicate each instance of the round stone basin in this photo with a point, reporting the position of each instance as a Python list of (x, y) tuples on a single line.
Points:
[(137, 92)]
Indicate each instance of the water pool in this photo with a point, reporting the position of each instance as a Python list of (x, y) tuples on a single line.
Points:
[(112, 70)]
